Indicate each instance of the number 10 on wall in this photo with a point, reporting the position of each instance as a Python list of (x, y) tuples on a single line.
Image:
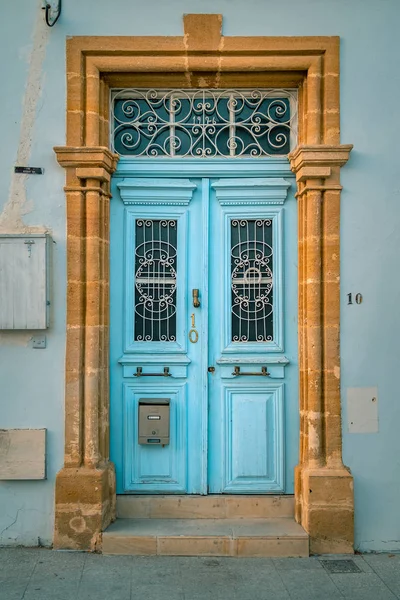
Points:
[(358, 298)]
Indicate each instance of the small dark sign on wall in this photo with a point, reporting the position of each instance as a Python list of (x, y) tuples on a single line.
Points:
[(29, 170)]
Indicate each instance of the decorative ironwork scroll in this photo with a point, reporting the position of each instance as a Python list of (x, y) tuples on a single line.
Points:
[(204, 123), (155, 280), (251, 280)]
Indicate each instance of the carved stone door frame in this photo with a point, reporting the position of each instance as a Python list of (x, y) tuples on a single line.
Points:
[(85, 486)]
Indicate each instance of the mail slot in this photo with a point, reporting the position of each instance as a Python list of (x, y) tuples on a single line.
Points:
[(154, 421)]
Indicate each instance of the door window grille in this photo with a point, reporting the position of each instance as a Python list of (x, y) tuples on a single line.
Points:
[(155, 280), (204, 123), (251, 280)]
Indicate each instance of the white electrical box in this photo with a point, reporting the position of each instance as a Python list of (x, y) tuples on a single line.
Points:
[(24, 281), (362, 410)]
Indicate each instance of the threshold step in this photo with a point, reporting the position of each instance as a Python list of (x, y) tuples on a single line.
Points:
[(204, 507), (206, 537)]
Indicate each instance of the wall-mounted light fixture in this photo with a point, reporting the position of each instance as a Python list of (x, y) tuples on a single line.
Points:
[(53, 11)]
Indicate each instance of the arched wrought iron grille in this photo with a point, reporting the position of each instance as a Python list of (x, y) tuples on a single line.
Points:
[(204, 123)]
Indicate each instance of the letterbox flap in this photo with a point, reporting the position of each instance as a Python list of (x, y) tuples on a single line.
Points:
[(144, 401)]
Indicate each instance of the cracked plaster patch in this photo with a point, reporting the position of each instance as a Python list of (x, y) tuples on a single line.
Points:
[(17, 205)]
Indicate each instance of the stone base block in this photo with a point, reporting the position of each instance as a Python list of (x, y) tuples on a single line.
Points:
[(327, 509), (84, 507)]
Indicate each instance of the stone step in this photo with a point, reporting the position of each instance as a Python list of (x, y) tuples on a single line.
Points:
[(281, 537), (204, 507)]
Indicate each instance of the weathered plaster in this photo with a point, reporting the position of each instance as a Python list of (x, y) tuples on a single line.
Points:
[(18, 205), (32, 381)]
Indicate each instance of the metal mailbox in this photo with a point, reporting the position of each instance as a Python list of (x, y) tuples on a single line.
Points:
[(154, 417)]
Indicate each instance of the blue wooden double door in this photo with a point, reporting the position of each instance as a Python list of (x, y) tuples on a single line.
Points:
[(203, 322)]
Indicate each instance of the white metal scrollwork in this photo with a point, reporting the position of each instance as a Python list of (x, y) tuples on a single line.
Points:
[(155, 280), (251, 280), (204, 123)]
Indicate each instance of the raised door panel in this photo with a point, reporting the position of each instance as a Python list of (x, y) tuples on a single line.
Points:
[(253, 418)]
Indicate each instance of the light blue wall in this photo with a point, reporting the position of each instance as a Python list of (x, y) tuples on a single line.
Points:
[(31, 388)]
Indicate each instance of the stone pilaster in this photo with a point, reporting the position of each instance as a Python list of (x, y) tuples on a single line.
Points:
[(85, 487), (324, 487)]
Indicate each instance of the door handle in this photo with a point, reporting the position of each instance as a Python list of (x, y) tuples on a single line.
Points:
[(195, 295), (139, 373), (262, 373)]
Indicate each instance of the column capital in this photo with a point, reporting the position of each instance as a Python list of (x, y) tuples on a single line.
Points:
[(88, 160), (92, 168), (316, 161)]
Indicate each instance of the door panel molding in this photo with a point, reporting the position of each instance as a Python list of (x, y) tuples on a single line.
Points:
[(131, 215), (251, 191), (94, 64), (276, 216), (139, 467), (263, 426), (164, 192)]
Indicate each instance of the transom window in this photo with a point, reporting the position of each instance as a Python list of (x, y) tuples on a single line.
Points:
[(204, 123)]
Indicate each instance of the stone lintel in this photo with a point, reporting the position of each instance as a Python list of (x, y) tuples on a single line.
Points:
[(84, 506)]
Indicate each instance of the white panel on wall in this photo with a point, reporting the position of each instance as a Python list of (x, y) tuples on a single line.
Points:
[(24, 284), (362, 410), (22, 454)]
